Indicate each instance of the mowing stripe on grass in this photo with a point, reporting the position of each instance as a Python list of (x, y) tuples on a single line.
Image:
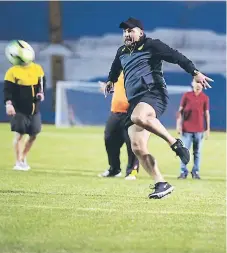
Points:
[(95, 209)]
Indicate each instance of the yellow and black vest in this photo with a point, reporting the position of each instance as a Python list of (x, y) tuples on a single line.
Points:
[(21, 85)]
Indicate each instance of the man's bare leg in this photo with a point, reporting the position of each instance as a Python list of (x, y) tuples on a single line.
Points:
[(18, 146), (144, 115), (27, 147), (28, 144), (139, 140)]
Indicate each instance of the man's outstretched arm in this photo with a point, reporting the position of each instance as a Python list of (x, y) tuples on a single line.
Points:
[(168, 54)]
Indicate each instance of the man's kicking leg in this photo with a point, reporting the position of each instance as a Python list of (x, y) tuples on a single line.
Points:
[(139, 140), (144, 116)]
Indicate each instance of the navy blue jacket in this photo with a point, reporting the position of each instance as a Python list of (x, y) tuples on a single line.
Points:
[(142, 65)]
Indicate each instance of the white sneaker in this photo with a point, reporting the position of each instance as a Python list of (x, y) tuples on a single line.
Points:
[(21, 166), (110, 173), (25, 164), (130, 177)]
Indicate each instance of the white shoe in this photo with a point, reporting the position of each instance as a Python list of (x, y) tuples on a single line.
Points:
[(21, 166), (130, 177), (25, 164), (109, 173)]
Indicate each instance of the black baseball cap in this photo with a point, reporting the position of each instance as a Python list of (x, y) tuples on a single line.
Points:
[(131, 23)]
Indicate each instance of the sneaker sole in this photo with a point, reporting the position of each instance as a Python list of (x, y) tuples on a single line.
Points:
[(183, 178), (162, 194), (21, 169), (118, 175), (130, 178)]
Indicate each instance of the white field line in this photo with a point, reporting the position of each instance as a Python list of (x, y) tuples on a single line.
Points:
[(213, 178), (71, 167), (86, 134), (70, 135), (95, 209)]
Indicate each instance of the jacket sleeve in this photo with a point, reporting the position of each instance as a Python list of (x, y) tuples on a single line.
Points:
[(42, 84), (9, 85), (116, 67), (168, 54), (8, 91), (42, 81)]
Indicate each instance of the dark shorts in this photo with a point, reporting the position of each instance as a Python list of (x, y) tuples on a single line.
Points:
[(26, 124), (157, 98)]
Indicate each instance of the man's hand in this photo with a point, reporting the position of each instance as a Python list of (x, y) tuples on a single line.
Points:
[(40, 96), (106, 88), (102, 86), (201, 78), (10, 109), (207, 134)]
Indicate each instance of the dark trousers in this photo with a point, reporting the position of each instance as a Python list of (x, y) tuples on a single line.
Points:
[(115, 136)]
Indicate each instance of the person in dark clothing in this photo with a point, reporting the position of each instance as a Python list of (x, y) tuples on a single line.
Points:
[(116, 135), (141, 58)]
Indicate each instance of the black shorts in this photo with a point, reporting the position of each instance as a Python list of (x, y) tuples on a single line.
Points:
[(157, 98), (26, 124)]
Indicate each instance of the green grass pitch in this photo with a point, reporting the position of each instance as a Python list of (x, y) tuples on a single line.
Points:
[(61, 205)]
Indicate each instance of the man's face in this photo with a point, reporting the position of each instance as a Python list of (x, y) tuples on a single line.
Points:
[(197, 87), (132, 35)]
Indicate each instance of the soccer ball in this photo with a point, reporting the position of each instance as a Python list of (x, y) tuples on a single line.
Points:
[(19, 52)]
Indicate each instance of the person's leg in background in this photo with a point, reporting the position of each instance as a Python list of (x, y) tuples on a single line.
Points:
[(133, 163), (19, 125), (33, 130), (113, 143), (27, 147), (187, 140), (197, 144), (18, 144)]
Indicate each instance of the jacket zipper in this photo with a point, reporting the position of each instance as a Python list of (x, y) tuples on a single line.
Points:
[(33, 95)]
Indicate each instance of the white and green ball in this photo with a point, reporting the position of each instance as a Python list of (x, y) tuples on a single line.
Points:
[(19, 52)]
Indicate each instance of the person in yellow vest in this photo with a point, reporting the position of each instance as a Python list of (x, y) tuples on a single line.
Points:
[(23, 90), (116, 134)]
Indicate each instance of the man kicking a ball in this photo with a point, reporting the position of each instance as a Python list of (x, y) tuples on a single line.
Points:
[(141, 58)]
